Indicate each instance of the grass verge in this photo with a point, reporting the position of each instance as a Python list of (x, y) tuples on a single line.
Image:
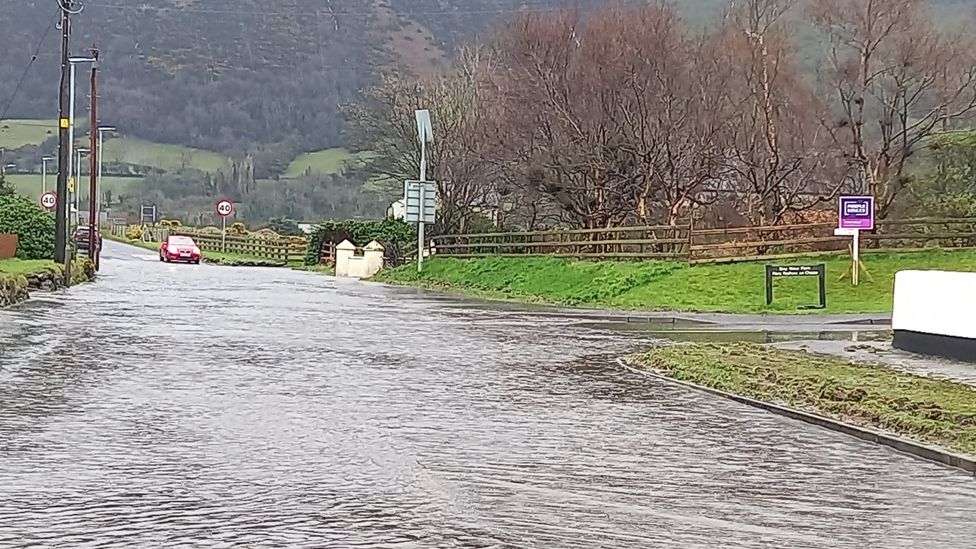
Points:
[(24, 267), (927, 410), (674, 286)]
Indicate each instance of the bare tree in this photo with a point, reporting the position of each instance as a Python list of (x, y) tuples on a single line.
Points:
[(777, 153), (385, 125), (896, 80)]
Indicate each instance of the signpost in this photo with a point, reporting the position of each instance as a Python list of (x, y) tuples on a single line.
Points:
[(776, 271), (424, 190), (855, 214), (224, 209), (49, 200), (420, 201)]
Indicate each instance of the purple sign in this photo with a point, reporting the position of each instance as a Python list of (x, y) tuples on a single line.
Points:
[(856, 212)]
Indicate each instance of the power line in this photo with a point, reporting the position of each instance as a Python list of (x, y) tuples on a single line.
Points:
[(23, 76)]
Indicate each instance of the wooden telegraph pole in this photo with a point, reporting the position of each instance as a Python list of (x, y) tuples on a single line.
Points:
[(64, 160), (93, 161)]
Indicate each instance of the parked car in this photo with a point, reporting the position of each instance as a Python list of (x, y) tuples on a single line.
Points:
[(180, 248), (80, 237)]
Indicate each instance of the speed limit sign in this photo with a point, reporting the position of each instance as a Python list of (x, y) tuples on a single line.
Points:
[(49, 200), (225, 208)]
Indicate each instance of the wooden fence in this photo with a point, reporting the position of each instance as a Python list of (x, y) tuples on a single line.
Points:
[(281, 249), (697, 246), (648, 242)]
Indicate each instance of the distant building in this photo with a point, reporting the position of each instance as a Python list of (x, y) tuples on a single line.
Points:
[(396, 210)]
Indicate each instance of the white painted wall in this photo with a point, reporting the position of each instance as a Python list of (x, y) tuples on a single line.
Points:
[(935, 302), (348, 264)]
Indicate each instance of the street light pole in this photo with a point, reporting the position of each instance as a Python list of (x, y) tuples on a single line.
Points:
[(72, 62), (93, 162), (44, 161), (77, 190), (101, 149)]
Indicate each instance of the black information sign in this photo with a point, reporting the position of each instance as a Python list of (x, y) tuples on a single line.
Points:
[(774, 271)]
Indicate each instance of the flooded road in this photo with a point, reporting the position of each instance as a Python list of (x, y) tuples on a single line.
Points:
[(174, 405)]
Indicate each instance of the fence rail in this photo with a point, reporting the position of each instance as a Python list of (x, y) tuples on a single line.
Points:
[(698, 246), (651, 242), (280, 248)]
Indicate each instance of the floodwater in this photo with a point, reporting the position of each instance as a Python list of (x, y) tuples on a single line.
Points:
[(199, 406)]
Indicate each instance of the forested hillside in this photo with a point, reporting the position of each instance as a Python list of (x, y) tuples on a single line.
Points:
[(225, 96), (228, 75)]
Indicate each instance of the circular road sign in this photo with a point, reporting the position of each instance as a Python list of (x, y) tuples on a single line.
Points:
[(49, 200), (225, 208)]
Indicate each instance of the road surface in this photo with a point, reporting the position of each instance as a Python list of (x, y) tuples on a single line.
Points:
[(175, 405)]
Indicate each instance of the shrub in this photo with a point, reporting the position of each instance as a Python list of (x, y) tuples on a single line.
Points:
[(393, 234), (237, 228), (134, 233), (31, 223)]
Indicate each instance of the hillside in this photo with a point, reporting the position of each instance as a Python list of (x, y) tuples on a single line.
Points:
[(229, 75)]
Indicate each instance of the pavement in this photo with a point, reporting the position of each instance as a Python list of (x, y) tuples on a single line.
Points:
[(686, 320)]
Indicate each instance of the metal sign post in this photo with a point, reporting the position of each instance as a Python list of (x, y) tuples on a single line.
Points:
[(855, 214), (776, 271), (224, 209), (425, 134)]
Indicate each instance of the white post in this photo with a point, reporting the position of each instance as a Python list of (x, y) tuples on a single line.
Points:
[(43, 175), (71, 118), (855, 256), (78, 191), (420, 225), (223, 234)]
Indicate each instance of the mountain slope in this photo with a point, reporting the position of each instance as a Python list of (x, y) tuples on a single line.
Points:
[(229, 75)]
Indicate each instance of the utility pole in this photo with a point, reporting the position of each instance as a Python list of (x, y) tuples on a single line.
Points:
[(93, 160), (61, 254)]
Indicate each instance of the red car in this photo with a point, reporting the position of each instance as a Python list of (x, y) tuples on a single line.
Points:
[(180, 248)]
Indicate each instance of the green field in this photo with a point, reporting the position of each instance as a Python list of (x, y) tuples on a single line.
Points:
[(674, 286), (165, 157), (925, 409), (31, 184), (15, 134), (328, 161)]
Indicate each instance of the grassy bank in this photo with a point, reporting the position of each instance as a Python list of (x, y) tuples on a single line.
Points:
[(675, 286), (927, 410), (216, 258), (14, 275), (22, 267)]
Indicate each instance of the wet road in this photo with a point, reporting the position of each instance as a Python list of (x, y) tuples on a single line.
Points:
[(170, 406)]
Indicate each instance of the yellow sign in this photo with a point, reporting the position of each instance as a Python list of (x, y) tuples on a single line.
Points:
[(64, 123), (71, 184)]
